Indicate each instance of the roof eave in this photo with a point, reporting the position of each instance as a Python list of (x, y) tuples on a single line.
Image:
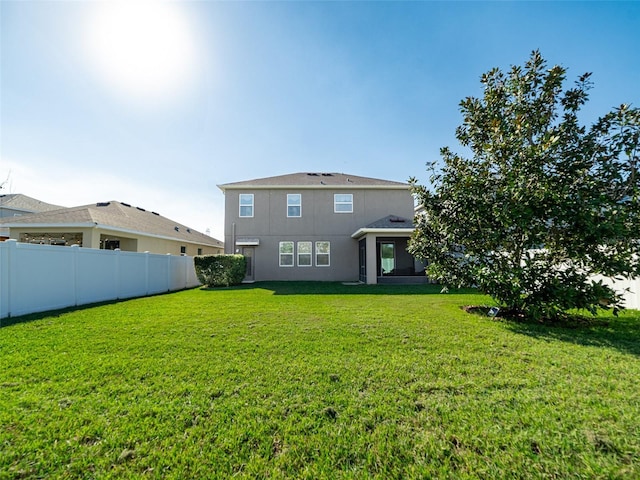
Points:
[(387, 231), (216, 243), (219, 244), (49, 225), (313, 187)]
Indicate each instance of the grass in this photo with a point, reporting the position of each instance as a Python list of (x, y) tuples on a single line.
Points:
[(308, 380)]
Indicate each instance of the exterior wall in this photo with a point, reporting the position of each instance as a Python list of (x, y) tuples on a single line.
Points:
[(37, 278), (159, 245), (270, 225), (11, 212), (130, 243)]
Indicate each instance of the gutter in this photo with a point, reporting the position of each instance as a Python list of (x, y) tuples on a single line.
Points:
[(313, 187), (383, 231)]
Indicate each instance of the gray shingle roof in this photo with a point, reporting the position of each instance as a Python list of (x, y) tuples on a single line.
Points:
[(18, 201), (391, 221), (314, 179), (117, 215)]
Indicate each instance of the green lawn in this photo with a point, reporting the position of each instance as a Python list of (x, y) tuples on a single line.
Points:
[(308, 380)]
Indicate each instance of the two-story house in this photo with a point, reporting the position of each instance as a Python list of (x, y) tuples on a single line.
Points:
[(322, 226)]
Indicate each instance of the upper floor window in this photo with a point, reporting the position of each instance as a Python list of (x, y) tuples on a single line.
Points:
[(246, 204), (343, 203), (294, 205)]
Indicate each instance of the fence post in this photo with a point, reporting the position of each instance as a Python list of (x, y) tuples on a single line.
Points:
[(168, 272), (75, 269), (146, 272), (186, 273), (7, 264), (117, 273)]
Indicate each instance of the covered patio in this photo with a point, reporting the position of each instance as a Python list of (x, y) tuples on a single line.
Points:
[(383, 255)]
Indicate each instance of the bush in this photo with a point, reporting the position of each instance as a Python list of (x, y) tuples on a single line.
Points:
[(220, 270)]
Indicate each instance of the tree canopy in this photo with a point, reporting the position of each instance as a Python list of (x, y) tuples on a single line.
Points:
[(541, 203)]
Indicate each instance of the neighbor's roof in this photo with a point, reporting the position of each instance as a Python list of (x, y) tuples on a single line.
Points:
[(314, 180), (18, 201), (116, 216)]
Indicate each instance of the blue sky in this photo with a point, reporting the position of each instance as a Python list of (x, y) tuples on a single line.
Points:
[(155, 103)]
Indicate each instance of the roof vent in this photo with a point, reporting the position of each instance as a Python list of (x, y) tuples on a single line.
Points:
[(103, 204), (141, 209), (312, 174), (397, 220), (156, 213), (188, 230), (327, 174), (176, 229), (125, 204)]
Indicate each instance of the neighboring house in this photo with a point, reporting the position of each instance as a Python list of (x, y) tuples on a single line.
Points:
[(16, 205), (111, 225), (322, 226)]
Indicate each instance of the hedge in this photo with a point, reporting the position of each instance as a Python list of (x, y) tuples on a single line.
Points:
[(220, 270)]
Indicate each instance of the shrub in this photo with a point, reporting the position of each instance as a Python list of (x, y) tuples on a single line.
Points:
[(220, 270)]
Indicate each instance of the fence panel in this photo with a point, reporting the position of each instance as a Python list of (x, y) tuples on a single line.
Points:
[(158, 273), (96, 273), (37, 278), (40, 277), (630, 290), (132, 275)]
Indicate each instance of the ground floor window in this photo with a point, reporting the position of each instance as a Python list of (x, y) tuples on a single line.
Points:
[(304, 254), (286, 254), (323, 252), (291, 254)]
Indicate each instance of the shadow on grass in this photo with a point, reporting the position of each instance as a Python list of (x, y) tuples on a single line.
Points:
[(621, 333), (339, 288), (31, 317)]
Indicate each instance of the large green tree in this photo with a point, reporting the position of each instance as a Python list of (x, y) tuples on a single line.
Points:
[(540, 203)]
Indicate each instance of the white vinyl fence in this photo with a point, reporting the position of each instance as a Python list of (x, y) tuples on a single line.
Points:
[(37, 278), (630, 290)]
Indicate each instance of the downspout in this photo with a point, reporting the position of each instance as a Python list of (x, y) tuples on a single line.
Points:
[(233, 237)]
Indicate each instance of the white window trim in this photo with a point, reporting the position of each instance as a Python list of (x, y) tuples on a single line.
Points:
[(240, 205), (297, 205), (336, 203), (280, 254), (328, 254), (310, 254)]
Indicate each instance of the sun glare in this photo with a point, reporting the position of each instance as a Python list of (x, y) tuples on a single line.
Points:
[(143, 49)]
